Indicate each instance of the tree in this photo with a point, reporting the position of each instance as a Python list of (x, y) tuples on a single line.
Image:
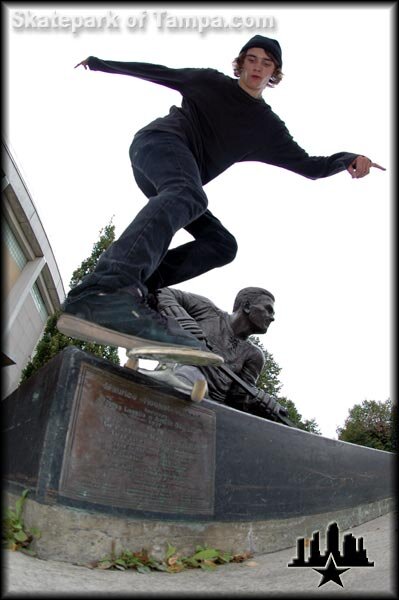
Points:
[(107, 236), (371, 424), (269, 378), (52, 340), (307, 425), (270, 383)]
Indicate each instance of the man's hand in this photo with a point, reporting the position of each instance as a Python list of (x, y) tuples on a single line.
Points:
[(361, 166), (84, 63)]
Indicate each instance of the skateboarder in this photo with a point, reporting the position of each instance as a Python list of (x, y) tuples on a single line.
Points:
[(227, 334), (221, 121)]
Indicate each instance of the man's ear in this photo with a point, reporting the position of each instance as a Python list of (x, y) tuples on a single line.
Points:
[(247, 307)]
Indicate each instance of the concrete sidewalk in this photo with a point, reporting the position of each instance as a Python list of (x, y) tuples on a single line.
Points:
[(264, 575)]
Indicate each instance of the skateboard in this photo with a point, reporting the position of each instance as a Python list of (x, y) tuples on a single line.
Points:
[(196, 392), (148, 349)]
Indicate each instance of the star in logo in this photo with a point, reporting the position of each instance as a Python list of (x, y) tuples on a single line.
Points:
[(330, 572)]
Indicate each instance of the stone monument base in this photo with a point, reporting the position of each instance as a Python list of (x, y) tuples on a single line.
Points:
[(107, 454), (79, 536)]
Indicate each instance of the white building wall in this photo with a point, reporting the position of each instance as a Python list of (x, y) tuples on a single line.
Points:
[(20, 343), (37, 291)]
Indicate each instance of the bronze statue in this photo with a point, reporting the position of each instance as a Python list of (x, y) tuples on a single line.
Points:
[(227, 335)]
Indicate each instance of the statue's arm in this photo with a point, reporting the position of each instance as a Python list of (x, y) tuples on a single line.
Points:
[(188, 309), (250, 372)]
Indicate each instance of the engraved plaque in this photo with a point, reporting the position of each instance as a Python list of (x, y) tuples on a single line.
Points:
[(134, 447)]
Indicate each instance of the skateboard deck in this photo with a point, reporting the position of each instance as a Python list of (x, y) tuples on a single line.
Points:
[(175, 354), (137, 347), (196, 392)]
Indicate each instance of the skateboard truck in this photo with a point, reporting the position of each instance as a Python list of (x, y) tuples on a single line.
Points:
[(196, 390)]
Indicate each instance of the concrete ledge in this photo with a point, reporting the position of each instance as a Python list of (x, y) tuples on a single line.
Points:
[(109, 455), (77, 536), (93, 436)]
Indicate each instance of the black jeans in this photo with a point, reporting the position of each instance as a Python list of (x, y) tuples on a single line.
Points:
[(167, 173)]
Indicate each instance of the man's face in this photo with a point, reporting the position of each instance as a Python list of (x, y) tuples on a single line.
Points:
[(261, 314), (256, 72)]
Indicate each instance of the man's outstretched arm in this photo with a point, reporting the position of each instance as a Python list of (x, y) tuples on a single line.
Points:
[(286, 153), (176, 79)]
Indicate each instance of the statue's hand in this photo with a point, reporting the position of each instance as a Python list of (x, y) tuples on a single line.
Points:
[(270, 405)]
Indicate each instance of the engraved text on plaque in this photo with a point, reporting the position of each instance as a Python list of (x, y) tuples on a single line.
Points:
[(131, 446)]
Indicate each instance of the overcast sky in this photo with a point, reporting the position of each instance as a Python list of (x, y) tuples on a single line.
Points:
[(322, 247)]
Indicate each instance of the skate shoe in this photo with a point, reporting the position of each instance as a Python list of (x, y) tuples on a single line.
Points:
[(124, 319)]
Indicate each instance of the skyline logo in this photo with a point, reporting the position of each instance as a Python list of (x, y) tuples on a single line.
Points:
[(353, 554)]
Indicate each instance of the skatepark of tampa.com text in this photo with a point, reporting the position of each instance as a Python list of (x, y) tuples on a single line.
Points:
[(162, 20)]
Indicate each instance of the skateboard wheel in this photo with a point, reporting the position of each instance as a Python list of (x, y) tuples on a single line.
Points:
[(132, 363), (199, 390)]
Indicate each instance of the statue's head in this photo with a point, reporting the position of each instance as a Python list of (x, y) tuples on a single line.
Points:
[(250, 295), (257, 305)]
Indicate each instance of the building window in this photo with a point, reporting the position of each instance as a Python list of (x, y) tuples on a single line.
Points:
[(13, 246), (38, 300)]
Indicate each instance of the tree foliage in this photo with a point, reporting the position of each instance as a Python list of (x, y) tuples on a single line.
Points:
[(269, 378), (371, 424), (269, 382), (107, 236), (296, 417), (52, 340)]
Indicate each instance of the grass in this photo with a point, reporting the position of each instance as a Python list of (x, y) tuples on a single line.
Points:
[(15, 535)]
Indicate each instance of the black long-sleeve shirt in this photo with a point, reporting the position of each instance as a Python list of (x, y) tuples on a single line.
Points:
[(222, 124)]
